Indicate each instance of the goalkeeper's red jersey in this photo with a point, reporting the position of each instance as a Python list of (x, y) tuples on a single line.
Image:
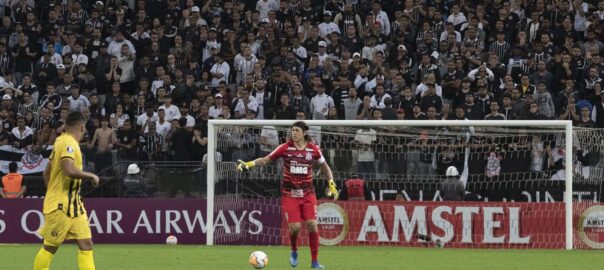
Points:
[(297, 168)]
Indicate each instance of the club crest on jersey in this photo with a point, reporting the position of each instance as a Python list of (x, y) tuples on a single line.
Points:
[(69, 149), (308, 156)]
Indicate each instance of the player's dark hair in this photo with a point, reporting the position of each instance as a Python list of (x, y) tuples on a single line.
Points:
[(302, 125), (12, 167), (74, 118)]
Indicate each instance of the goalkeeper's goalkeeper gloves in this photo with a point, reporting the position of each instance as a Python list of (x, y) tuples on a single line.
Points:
[(245, 166), (333, 190)]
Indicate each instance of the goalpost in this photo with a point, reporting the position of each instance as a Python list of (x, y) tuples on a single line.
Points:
[(231, 139)]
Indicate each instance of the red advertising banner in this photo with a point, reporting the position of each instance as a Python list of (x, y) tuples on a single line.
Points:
[(150, 221), (456, 224)]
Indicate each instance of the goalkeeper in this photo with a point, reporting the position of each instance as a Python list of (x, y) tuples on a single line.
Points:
[(299, 202)]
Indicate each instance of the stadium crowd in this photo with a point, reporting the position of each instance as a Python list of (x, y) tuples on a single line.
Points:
[(148, 75)]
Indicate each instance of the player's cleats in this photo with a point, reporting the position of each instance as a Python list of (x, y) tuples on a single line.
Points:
[(293, 259), (316, 265)]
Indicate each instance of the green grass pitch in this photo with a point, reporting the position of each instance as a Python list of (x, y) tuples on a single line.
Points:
[(132, 257)]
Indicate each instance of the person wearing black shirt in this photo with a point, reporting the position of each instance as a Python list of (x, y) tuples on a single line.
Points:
[(285, 110), (127, 139), (24, 55), (199, 143), (181, 140)]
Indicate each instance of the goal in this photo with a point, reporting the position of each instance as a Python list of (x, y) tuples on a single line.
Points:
[(518, 179)]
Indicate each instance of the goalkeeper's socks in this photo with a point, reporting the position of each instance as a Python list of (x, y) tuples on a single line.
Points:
[(293, 241), (313, 242), (293, 259)]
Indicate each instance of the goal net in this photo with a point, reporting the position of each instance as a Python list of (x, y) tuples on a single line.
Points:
[(515, 178)]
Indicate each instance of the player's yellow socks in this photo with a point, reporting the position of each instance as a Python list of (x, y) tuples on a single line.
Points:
[(85, 260), (43, 259)]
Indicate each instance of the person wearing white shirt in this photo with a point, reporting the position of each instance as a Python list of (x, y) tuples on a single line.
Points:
[(216, 109), (580, 9), (380, 16), (423, 87), (327, 26), (269, 139), (371, 48), (219, 71), (171, 111), (163, 127), (244, 63), (23, 134), (143, 119), (126, 63), (184, 113), (76, 101), (300, 51), (450, 30), (322, 52), (55, 58), (115, 46), (246, 103), (320, 103), (78, 57), (377, 100), (456, 17), (194, 18), (263, 6), (364, 138)]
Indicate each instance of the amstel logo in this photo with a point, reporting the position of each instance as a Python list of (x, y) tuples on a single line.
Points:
[(333, 223), (591, 227)]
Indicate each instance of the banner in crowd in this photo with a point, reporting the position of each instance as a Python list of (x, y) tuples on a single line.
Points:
[(28, 161), (150, 221), (457, 224)]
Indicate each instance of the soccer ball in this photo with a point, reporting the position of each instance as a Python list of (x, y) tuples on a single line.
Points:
[(171, 240), (258, 260)]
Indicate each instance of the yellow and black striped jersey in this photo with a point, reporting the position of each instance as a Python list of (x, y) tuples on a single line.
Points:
[(63, 192)]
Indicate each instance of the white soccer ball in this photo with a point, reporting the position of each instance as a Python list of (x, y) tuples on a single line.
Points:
[(258, 260), (171, 240)]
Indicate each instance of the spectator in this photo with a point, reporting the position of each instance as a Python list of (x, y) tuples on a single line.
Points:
[(104, 138), (220, 71), (164, 128), (22, 135), (127, 141), (12, 183), (494, 112), (284, 110), (184, 113), (544, 100), (181, 140), (364, 139), (172, 112), (4, 136), (151, 143), (76, 101)]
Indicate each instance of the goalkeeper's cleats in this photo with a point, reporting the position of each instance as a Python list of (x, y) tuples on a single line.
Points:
[(244, 166), (316, 265), (293, 259), (333, 190)]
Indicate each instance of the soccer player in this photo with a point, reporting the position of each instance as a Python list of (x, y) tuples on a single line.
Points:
[(63, 210), (298, 199)]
